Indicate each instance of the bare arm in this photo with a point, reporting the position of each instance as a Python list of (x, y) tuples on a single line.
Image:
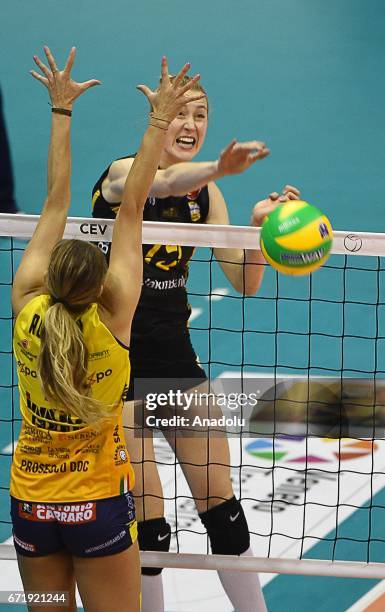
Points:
[(244, 269), (29, 278), (179, 179), (124, 279)]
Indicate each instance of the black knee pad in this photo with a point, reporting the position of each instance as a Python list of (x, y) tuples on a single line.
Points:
[(154, 534), (227, 528)]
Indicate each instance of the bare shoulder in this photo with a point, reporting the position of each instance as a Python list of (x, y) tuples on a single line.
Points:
[(119, 326), (113, 184), (120, 168)]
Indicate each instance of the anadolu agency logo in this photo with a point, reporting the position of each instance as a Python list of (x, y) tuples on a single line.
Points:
[(294, 450)]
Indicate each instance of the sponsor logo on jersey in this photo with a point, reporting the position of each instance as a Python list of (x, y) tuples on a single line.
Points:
[(99, 355), (116, 434), (36, 435), (96, 377), (120, 455), (30, 356), (51, 418), (27, 449), (89, 449), (170, 213), (164, 285), (195, 211), (23, 369), (58, 452)]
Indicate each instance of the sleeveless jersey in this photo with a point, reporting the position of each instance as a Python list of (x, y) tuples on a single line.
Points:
[(165, 267), (59, 458)]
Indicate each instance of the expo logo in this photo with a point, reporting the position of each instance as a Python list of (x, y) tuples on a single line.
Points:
[(96, 377), (26, 370)]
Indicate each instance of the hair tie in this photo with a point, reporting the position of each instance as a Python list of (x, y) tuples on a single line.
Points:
[(56, 300)]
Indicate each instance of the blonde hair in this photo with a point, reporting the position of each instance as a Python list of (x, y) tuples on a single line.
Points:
[(74, 279)]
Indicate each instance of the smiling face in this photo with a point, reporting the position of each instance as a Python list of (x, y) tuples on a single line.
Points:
[(186, 133)]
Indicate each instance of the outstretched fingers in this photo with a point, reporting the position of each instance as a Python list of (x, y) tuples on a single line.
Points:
[(164, 70), (201, 96), (51, 59), (181, 74), (145, 90), (70, 60), (42, 66), (63, 91), (38, 77), (87, 84), (191, 84)]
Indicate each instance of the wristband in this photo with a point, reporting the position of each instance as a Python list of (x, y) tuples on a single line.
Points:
[(62, 111), (164, 129), (152, 116)]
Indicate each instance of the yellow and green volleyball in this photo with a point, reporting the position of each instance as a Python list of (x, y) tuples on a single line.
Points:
[(296, 238)]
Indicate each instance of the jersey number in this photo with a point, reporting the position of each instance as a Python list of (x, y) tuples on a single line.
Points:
[(162, 264)]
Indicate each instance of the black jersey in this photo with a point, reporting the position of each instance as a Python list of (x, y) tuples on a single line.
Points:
[(165, 267)]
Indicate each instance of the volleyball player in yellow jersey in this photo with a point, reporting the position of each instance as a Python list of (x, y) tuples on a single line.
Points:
[(73, 515)]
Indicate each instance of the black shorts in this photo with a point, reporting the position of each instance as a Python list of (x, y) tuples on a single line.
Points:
[(85, 529), (166, 355)]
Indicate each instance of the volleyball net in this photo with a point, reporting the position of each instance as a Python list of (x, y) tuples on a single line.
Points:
[(308, 463)]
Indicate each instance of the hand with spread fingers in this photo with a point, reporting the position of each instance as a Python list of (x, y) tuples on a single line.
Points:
[(265, 207), (171, 95), (62, 90), (239, 156)]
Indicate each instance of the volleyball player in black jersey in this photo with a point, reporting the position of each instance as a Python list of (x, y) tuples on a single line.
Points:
[(185, 191)]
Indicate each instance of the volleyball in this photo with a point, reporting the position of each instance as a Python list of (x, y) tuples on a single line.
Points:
[(296, 238)]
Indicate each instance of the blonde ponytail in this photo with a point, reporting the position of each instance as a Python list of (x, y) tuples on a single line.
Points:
[(62, 366), (74, 279)]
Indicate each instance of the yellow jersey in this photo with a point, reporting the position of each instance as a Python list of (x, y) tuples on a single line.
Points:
[(59, 458)]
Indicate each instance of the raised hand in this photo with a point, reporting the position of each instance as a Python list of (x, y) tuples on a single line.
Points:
[(170, 97), (238, 156), (263, 208), (62, 90)]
